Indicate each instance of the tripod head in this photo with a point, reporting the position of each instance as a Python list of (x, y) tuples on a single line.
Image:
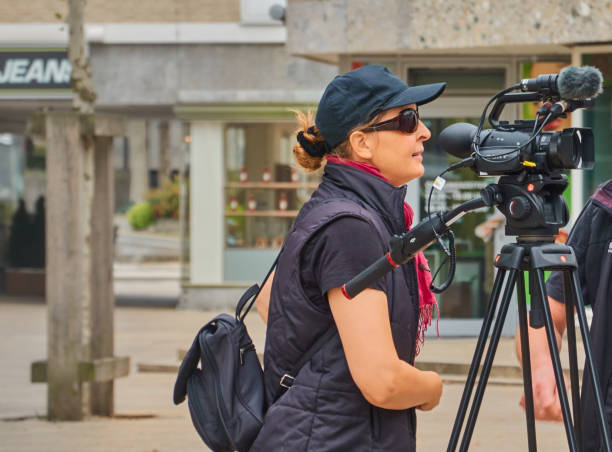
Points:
[(533, 204)]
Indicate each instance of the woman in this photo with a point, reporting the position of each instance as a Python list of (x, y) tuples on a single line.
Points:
[(359, 391)]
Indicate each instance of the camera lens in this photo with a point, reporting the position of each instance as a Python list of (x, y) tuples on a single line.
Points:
[(565, 149)]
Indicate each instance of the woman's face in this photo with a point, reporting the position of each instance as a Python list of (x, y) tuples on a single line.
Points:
[(397, 154)]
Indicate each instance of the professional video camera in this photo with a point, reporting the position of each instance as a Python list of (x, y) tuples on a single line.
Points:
[(511, 148), (531, 160)]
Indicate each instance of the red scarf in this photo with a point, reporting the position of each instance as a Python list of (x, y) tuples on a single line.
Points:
[(427, 300)]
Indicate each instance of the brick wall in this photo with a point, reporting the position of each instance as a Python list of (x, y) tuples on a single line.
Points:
[(19, 11)]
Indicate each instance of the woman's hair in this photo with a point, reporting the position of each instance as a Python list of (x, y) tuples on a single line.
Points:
[(311, 148)]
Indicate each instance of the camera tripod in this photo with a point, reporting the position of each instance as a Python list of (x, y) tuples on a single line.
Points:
[(534, 209), (534, 255)]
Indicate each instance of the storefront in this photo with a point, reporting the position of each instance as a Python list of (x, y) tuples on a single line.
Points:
[(244, 193)]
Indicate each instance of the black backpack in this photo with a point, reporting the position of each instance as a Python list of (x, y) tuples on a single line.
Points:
[(226, 395)]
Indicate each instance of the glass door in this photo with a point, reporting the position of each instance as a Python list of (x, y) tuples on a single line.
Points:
[(466, 297), (469, 87)]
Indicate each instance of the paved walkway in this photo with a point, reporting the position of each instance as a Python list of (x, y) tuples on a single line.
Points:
[(147, 421)]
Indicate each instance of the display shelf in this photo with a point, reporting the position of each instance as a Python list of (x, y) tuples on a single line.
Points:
[(262, 213), (272, 185)]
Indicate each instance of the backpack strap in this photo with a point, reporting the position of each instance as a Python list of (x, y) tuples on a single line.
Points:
[(252, 293)]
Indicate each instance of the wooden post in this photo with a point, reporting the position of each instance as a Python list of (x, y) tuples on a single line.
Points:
[(102, 296), (67, 270), (80, 298)]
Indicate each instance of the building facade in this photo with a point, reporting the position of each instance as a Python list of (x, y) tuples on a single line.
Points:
[(207, 87)]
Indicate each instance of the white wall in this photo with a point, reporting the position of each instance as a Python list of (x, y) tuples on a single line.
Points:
[(206, 203)]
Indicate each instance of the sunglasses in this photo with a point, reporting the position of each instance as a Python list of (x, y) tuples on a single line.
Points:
[(406, 121)]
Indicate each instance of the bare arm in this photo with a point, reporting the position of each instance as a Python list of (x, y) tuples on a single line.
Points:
[(383, 379), (263, 299), (546, 398)]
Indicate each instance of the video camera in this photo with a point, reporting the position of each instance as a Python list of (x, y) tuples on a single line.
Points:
[(531, 161)]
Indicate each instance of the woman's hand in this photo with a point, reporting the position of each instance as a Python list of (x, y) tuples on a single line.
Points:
[(435, 391)]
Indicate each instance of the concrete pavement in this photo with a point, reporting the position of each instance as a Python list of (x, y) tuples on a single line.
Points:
[(147, 421)]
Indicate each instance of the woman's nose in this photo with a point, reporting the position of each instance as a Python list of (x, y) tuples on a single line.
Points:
[(424, 132)]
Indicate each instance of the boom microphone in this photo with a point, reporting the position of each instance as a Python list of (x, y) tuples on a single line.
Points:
[(572, 82)]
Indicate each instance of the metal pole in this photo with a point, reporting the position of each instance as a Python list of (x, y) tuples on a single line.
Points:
[(527, 386)]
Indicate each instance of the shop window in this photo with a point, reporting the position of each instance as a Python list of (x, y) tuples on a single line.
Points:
[(461, 80), (467, 295), (599, 118), (264, 189)]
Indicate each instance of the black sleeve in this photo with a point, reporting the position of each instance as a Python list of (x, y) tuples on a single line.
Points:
[(579, 239), (338, 252)]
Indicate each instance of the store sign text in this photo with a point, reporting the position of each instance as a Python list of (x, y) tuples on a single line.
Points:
[(34, 70)]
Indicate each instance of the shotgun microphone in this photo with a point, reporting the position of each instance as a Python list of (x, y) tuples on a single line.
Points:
[(577, 83)]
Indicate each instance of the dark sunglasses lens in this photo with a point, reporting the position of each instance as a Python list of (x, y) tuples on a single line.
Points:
[(409, 120)]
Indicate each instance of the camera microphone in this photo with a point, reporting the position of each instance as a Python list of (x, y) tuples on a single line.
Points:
[(572, 82)]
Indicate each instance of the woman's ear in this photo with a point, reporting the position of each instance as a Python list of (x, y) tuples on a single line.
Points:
[(362, 145)]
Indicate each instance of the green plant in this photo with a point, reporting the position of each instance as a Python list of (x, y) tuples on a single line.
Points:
[(140, 215), (164, 201)]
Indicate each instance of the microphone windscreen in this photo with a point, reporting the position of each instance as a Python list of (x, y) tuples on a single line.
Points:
[(456, 139), (579, 83)]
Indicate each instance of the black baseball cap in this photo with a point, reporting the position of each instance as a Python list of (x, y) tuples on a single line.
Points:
[(356, 97)]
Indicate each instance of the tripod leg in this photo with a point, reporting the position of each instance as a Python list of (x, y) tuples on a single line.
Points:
[(486, 367), (573, 357), (554, 354), (586, 340), (528, 388), (477, 358)]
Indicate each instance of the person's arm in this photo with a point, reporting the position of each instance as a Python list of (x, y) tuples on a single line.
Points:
[(263, 299), (545, 396), (382, 377)]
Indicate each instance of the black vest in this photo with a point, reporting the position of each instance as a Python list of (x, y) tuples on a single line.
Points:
[(324, 410), (596, 292)]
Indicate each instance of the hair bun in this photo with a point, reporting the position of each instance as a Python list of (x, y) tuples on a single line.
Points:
[(318, 149)]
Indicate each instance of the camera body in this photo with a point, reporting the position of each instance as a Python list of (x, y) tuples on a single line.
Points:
[(571, 148)]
